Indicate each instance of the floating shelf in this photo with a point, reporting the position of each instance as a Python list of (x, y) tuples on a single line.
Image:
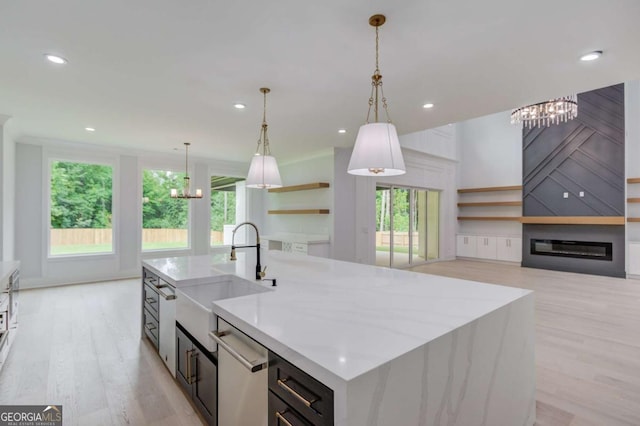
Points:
[(633, 219), (491, 218), (304, 211), (633, 180), (575, 220), (491, 204), (304, 187), (491, 189), (633, 200)]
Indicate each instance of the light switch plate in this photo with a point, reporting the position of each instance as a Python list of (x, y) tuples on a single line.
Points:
[(582, 193), (565, 195)]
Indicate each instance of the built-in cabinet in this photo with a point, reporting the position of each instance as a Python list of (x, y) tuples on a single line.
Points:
[(634, 258), (313, 245), (196, 371), (295, 398), (503, 248)]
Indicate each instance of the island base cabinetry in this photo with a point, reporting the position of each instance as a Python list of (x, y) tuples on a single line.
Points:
[(196, 371), (295, 398)]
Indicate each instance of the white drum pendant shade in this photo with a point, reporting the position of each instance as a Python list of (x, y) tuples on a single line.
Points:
[(377, 151), (263, 172)]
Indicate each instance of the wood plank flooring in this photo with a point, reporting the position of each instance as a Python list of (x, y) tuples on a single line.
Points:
[(80, 346), (587, 341)]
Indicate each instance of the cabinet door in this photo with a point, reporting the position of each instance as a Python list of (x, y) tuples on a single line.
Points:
[(205, 389), (486, 248), (466, 246), (509, 249), (184, 355)]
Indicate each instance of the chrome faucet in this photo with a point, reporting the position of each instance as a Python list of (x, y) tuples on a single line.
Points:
[(259, 272)]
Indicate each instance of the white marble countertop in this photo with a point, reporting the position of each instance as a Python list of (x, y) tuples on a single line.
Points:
[(297, 238), (7, 268), (338, 320)]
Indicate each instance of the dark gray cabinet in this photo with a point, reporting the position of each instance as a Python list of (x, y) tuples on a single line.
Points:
[(295, 398), (196, 371)]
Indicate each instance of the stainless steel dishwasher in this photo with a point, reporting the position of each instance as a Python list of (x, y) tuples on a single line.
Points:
[(242, 378)]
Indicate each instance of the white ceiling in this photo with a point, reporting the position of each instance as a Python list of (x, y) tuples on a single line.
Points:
[(152, 74)]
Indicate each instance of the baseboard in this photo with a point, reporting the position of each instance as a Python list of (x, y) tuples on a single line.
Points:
[(477, 259), (33, 283)]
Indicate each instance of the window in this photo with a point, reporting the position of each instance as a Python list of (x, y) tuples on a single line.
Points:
[(165, 220), (80, 209), (224, 201)]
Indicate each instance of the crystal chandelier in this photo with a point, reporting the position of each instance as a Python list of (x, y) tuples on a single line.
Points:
[(377, 150), (263, 171), (555, 111), (186, 192)]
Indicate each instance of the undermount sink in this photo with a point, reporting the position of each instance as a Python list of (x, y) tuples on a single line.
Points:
[(193, 303)]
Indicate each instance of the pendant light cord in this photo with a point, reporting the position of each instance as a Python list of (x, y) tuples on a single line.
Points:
[(376, 85), (263, 138)]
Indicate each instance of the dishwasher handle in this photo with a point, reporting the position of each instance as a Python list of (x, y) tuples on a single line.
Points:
[(252, 366)]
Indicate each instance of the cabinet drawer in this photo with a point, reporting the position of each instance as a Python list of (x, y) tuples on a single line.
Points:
[(151, 327), (279, 410), (149, 278), (299, 248), (303, 393), (151, 300)]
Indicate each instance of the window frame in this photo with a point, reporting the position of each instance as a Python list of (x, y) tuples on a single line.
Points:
[(87, 158)]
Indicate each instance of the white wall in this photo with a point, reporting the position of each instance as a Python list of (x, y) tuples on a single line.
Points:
[(32, 165), (490, 150), (632, 158), (7, 185), (438, 142), (315, 168)]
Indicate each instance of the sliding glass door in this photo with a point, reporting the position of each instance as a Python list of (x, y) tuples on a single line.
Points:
[(407, 223)]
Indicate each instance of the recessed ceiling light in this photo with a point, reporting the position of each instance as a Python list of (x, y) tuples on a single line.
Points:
[(591, 56), (342, 131), (427, 106), (55, 59), (239, 106), (90, 129)]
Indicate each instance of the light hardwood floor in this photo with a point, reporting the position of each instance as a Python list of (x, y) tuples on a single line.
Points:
[(587, 341), (80, 346)]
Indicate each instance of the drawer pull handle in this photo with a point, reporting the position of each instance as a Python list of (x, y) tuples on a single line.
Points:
[(283, 385), (188, 354), (150, 327), (280, 417), (150, 300)]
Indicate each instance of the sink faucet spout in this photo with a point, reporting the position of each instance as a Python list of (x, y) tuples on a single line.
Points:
[(259, 273)]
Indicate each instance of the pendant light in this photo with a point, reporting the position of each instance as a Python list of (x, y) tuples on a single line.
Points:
[(377, 150), (186, 184), (263, 171)]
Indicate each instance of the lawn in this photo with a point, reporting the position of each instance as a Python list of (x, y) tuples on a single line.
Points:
[(71, 249)]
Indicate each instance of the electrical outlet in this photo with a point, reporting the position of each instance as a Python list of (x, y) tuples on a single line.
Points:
[(581, 193), (565, 195)]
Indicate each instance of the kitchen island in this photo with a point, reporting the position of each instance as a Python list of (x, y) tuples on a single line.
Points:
[(395, 347)]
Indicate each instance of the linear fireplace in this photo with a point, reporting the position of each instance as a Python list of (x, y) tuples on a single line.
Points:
[(579, 249), (588, 249)]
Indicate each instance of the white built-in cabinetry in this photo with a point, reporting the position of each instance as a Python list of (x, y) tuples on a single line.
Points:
[(634, 258), (505, 248)]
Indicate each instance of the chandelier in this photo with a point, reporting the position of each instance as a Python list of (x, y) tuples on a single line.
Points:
[(263, 171), (555, 111), (186, 193), (377, 150)]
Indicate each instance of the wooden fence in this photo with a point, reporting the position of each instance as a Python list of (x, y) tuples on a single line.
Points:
[(400, 239), (90, 236)]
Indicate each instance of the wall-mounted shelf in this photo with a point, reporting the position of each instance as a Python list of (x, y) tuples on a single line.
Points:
[(490, 189), (304, 187), (633, 219), (633, 200), (303, 211), (574, 220), (491, 204), (633, 180), (491, 218)]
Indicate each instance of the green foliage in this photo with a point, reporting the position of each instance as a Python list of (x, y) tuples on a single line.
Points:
[(219, 214), (81, 195), (159, 210), (400, 209)]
